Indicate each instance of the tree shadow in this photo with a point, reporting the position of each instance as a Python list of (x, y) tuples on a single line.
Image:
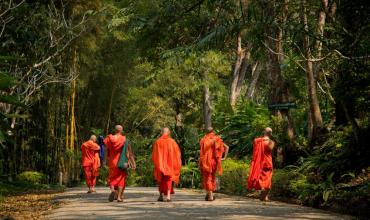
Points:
[(143, 205)]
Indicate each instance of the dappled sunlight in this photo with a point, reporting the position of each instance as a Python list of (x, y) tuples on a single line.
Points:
[(140, 203)]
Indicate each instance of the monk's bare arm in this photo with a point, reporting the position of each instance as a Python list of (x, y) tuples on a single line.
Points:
[(271, 145), (226, 151)]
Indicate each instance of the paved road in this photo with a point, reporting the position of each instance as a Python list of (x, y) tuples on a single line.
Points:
[(140, 203)]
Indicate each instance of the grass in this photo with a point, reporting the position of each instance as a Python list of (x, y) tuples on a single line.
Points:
[(18, 187)]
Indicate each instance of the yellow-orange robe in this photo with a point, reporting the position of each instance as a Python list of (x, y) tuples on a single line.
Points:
[(211, 150), (114, 145), (90, 161), (260, 174), (166, 158)]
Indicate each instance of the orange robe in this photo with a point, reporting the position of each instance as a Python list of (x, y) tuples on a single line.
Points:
[(260, 174), (166, 157), (114, 145), (90, 161), (211, 151)]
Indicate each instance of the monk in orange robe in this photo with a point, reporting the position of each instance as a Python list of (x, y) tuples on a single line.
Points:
[(90, 162), (117, 177), (166, 157), (260, 174), (212, 148)]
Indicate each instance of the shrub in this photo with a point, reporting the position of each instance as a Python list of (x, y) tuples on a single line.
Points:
[(31, 177), (241, 126), (234, 177), (143, 175), (281, 183), (103, 175), (190, 176)]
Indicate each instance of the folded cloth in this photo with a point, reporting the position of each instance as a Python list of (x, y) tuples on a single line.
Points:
[(123, 159)]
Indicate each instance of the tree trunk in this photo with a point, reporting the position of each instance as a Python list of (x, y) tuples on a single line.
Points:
[(326, 11), (320, 35), (207, 111), (239, 72), (317, 123), (109, 111), (279, 87), (252, 86), (207, 107)]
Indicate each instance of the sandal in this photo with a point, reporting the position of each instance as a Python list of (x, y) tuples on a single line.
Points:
[(167, 200), (111, 197), (160, 199)]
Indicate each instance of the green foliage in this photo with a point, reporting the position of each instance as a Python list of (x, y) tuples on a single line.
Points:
[(6, 83), (335, 155), (144, 64), (188, 139), (281, 182), (347, 199), (142, 148), (234, 176), (322, 190), (102, 179), (291, 183), (9, 188), (240, 127), (143, 175), (190, 176), (32, 177)]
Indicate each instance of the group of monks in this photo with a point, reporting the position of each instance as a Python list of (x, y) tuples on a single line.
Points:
[(166, 157)]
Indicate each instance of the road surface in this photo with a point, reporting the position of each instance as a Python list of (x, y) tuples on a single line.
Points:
[(141, 203)]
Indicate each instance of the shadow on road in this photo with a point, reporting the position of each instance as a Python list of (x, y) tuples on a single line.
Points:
[(140, 203)]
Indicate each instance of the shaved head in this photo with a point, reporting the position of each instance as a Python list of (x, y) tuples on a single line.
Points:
[(209, 129), (267, 131), (166, 130), (118, 128), (93, 138)]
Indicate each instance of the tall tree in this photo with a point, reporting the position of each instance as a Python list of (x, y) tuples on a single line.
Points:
[(315, 112)]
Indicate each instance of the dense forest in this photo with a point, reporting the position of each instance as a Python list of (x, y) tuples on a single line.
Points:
[(69, 69)]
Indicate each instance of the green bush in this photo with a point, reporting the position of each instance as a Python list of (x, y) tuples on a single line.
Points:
[(31, 177), (143, 175), (190, 176), (103, 176), (347, 199), (234, 177), (291, 183), (281, 183), (241, 126)]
